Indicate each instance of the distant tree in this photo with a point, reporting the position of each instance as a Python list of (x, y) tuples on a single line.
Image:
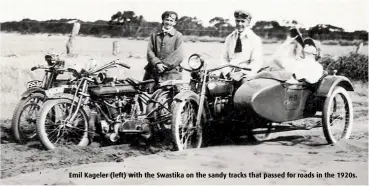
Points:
[(222, 25), (128, 24), (189, 25), (128, 21), (219, 22), (326, 31)]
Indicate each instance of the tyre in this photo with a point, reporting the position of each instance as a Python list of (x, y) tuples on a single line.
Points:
[(165, 98), (162, 131), (337, 117), (24, 117), (185, 133), (54, 130)]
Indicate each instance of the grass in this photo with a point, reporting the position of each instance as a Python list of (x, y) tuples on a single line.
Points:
[(343, 42)]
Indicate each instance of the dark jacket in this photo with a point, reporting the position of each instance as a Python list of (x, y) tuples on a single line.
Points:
[(164, 48)]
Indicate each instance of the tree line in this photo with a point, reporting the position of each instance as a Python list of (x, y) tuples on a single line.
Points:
[(128, 24)]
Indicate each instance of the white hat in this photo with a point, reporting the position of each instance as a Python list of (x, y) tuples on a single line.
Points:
[(310, 49)]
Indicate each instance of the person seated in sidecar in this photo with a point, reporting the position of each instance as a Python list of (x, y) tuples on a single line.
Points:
[(307, 68), (242, 47), (295, 69)]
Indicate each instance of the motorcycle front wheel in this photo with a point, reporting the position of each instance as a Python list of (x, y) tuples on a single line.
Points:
[(24, 117), (55, 129), (185, 133)]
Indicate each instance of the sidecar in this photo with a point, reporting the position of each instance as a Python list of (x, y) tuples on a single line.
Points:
[(268, 97)]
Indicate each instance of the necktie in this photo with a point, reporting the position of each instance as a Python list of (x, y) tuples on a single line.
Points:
[(238, 44)]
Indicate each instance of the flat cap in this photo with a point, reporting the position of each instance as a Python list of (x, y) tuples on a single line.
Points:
[(242, 14), (171, 14)]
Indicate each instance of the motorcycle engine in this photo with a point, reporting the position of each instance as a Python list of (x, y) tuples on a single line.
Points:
[(219, 105), (120, 107)]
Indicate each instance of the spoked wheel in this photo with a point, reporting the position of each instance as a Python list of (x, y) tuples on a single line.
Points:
[(337, 116), (162, 107), (56, 129), (185, 133), (161, 115), (260, 134), (24, 118)]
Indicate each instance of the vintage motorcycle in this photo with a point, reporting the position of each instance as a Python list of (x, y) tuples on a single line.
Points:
[(257, 105), (105, 106), (24, 116)]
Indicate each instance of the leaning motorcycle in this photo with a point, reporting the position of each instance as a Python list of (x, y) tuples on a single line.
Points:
[(104, 106), (24, 116), (259, 103)]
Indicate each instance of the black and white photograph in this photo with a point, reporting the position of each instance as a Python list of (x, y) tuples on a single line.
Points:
[(184, 92)]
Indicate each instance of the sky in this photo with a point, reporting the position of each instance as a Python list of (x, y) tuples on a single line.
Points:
[(348, 14)]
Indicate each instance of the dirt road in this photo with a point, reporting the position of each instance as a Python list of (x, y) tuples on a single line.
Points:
[(300, 152), (294, 152)]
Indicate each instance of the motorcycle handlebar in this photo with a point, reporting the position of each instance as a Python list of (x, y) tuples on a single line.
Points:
[(47, 68), (220, 67), (109, 65), (228, 65), (124, 65)]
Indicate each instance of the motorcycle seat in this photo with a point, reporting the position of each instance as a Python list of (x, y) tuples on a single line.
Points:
[(135, 82)]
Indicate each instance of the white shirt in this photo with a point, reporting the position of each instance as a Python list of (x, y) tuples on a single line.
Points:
[(307, 69), (251, 51)]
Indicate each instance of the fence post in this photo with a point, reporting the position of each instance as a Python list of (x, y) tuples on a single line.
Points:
[(70, 48), (115, 48), (359, 47)]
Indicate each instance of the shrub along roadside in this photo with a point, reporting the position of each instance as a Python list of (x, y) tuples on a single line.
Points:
[(354, 66)]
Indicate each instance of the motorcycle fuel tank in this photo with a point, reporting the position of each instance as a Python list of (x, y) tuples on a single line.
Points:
[(112, 90), (220, 88), (272, 99)]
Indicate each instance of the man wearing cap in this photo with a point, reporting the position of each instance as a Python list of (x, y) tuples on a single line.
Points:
[(165, 51), (243, 47)]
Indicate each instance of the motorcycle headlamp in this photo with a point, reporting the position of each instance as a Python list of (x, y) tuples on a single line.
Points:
[(54, 60), (195, 62)]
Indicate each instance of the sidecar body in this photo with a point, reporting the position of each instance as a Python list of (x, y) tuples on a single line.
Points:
[(271, 98)]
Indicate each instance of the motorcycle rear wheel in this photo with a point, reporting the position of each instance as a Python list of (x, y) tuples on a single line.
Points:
[(27, 109), (333, 111), (54, 131)]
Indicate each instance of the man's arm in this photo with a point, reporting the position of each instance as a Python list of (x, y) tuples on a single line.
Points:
[(256, 60), (176, 57), (151, 56), (225, 53), (225, 59)]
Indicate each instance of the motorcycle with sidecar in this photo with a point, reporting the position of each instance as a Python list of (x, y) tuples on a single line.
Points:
[(257, 104), (106, 106)]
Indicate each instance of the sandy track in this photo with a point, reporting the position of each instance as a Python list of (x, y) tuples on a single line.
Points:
[(292, 152), (296, 151)]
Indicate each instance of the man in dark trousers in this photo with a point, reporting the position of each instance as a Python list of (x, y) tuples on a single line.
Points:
[(165, 52)]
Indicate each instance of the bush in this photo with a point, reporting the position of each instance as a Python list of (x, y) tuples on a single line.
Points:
[(353, 66)]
